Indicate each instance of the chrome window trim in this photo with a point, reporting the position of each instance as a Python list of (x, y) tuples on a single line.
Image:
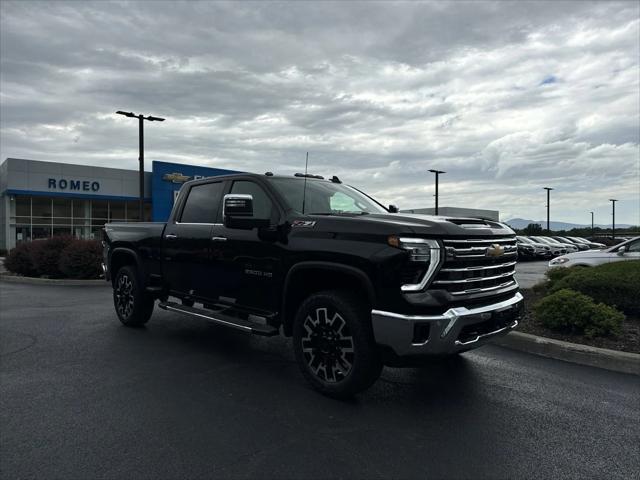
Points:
[(198, 223)]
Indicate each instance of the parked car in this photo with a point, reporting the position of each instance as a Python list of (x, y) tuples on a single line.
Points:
[(589, 243), (354, 284), (629, 250), (541, 250), (557, 249), (581, 246)]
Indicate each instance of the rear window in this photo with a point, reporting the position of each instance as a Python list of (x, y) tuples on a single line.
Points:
[(202, 203)]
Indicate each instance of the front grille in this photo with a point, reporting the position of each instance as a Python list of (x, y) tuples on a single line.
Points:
[(469, 267)]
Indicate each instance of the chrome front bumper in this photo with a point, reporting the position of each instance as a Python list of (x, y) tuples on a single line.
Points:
[(399, 331)]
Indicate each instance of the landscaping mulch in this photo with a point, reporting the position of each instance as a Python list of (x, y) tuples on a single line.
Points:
[(627, 341)]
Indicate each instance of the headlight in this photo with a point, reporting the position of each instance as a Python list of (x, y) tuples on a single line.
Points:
[(421, 251), (559, 261)]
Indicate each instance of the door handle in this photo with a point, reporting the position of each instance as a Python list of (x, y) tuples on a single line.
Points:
[(170, 236), (218, 239)]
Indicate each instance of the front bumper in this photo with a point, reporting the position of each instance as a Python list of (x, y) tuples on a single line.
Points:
[(455, 330)]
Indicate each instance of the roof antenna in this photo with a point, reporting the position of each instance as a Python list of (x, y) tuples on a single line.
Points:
[(304, 189)]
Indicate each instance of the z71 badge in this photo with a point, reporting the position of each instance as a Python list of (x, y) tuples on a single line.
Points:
[(303, 223)]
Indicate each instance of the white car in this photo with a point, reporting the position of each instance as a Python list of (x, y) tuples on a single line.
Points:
[(629, 250)]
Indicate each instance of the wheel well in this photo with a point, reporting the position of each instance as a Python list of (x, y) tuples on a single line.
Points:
[(118, 260), (307, 281)]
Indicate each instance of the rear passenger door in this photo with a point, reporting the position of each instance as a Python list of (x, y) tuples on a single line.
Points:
[(186, 246)]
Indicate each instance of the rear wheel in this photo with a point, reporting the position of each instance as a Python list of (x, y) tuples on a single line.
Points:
[(334, 344), (133, 306)]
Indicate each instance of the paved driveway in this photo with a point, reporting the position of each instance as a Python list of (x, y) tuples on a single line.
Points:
[(530, 273), (83, 397)]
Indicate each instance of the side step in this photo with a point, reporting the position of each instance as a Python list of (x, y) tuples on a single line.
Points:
[(221, 319)]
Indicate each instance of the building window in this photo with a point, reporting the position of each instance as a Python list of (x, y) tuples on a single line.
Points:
[(41, 208), (99, 209), (23, 206)]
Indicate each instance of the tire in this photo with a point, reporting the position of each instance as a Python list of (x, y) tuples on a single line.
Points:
[(133, 306), (334, 344)]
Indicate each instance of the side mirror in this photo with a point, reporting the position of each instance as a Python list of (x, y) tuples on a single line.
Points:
[(393, 209), (237, 212), (621, 250)]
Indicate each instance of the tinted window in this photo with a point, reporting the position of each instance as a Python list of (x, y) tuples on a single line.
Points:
[(634, 246), (202, 203), (262, 204)]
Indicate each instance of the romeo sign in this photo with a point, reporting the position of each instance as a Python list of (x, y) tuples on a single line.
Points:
[(74, 185)]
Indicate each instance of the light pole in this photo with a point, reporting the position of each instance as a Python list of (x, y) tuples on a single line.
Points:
[(592, 229), (141, 119), (548, 189), (613, 219), (437, 172)]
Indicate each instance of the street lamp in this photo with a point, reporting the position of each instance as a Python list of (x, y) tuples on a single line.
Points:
[(548, 189), (613, 219), (141, 118), (437, 172), (592, 229)]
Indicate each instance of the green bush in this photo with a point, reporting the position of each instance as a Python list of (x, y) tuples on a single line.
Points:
[(46, 255), (81, 259), (554, 275), (19, 260), (616, 284), (571, 311)]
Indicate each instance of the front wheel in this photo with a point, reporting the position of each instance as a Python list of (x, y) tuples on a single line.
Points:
[(133, 306), (334, 344)]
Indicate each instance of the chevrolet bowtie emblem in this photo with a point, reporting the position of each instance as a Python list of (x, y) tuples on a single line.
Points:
[(175, 177), (495, 250)]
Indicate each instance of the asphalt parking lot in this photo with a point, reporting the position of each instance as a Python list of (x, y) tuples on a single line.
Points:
[(83, 397), (528, 273)]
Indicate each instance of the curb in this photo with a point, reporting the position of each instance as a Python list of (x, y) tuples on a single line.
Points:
[(614, 360), (52, 281)]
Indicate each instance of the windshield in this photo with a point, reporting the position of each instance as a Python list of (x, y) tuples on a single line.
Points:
[(580, 240), (323, 197), (524, 240), (543, 240)]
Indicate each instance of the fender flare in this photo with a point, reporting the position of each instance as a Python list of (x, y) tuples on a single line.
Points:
[(359, 274), (129, 252)]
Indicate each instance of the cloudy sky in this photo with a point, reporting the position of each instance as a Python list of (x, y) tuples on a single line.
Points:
[(507, 97)]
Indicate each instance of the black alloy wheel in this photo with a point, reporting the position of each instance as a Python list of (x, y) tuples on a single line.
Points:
[(334, 343), (133, 306)]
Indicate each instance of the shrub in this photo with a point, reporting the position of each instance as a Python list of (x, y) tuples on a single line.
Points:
[(616, 284), (20, 261), (554, 275), (81, 259), (571, 311), (46, 255)]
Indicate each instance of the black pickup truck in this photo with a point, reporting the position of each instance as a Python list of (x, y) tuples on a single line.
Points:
[(356, 285)]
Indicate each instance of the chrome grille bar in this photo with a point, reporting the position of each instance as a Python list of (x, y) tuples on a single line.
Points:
[(485, 289), (478, 267), (479, 240), (477, 279)]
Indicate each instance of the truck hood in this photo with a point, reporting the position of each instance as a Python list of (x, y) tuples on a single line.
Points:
[(418, 224)]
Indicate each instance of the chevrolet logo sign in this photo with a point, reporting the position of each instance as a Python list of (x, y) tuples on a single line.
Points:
[(175, 177), (495, 250)]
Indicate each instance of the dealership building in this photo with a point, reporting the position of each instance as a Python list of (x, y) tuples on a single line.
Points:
[(41, 199)]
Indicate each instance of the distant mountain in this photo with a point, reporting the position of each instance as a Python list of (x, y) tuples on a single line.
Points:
[(520, 223)]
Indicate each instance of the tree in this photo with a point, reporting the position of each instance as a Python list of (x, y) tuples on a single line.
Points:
[(532, 229)]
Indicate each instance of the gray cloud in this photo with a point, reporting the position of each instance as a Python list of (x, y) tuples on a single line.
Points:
[(377, 92)]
